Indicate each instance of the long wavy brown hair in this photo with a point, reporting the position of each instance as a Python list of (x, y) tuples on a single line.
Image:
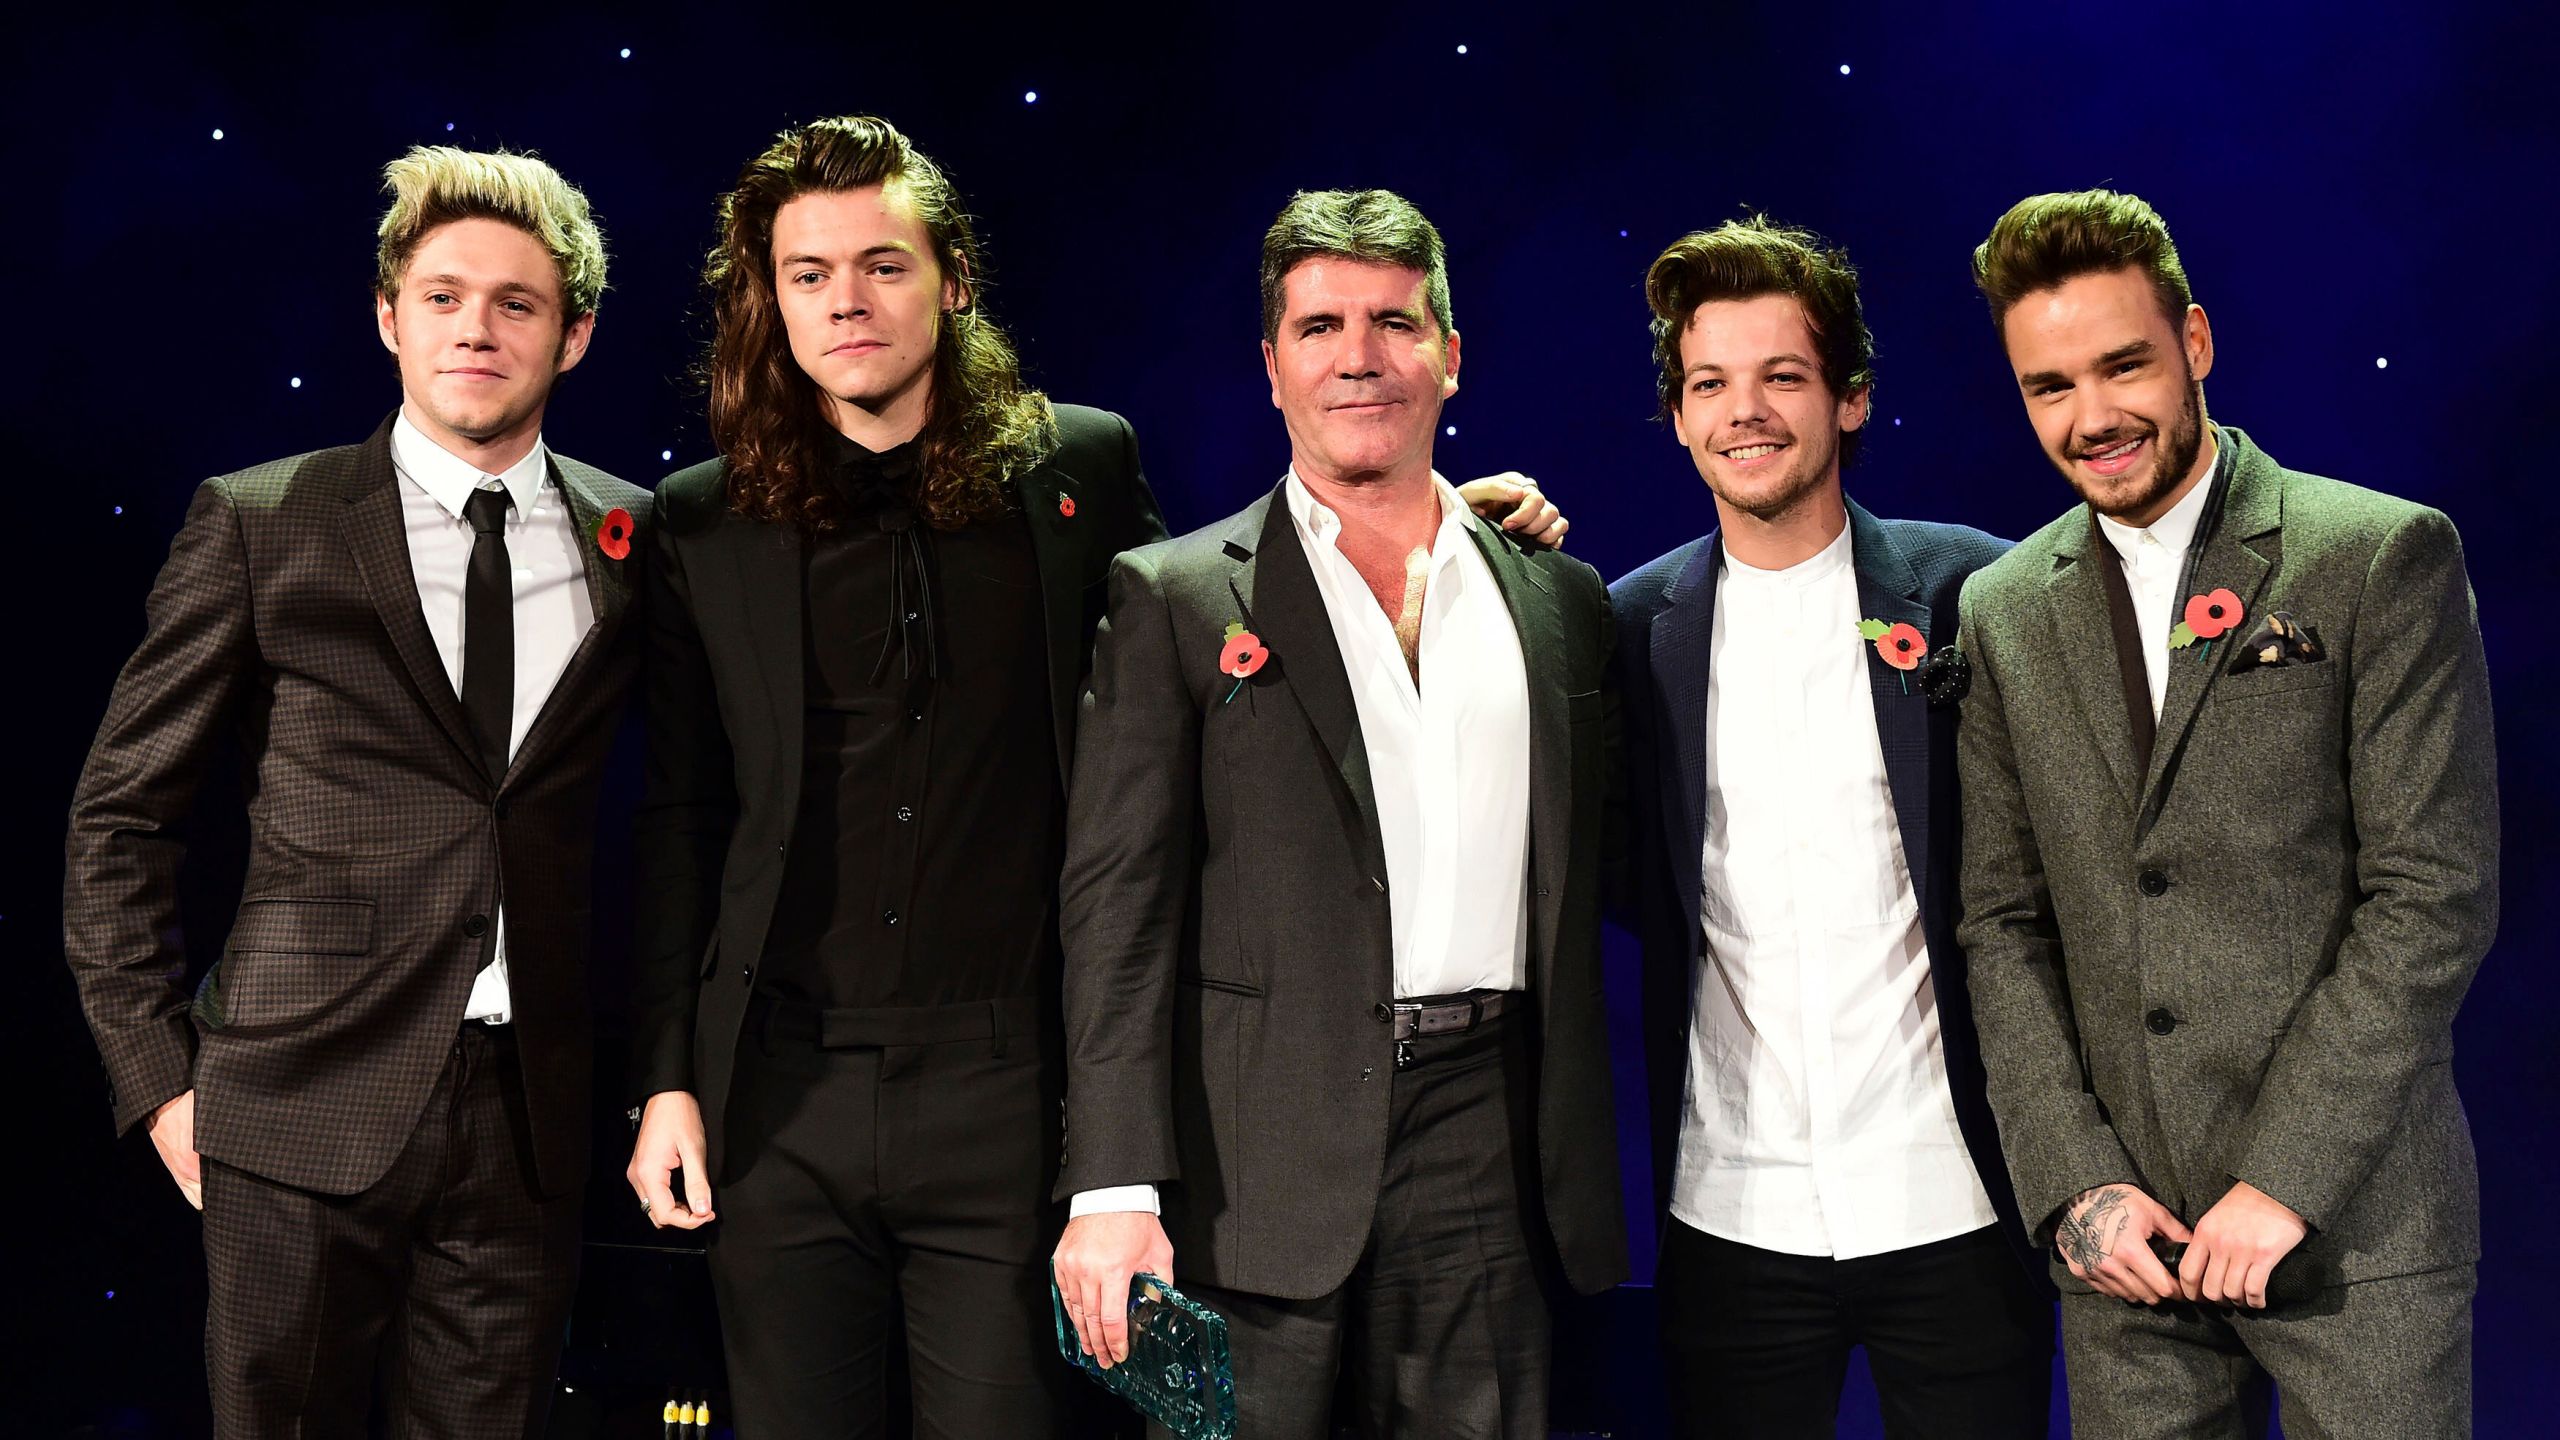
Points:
[(982, 425)]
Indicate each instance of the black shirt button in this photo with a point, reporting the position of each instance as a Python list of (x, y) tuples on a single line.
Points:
[(2154, 883), (2160, 1022), (888, 917), (476, 926), (905, 813)]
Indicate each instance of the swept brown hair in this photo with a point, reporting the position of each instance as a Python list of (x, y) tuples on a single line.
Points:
[(1745, 259), (2047, 239), (982, 425)]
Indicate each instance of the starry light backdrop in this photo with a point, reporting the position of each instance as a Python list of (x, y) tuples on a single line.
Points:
[(2361, 193)]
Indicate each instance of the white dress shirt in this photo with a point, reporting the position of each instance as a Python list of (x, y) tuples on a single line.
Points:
[(2155, 556), (1448, 763), (552, 607), (1817, 1119)]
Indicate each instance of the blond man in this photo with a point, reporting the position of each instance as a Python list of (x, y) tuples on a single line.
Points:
[(377, 1094)]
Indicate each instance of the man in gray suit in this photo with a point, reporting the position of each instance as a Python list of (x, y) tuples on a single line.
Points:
[(1331, 896), (2231, 857)]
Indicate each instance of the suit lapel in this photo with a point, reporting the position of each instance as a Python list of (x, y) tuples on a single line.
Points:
[(1275, 590), (1045, 492), (377, 536), (2085, 641), (1531, 598), (1683, 642), (2239, 554), (608, 595), (1889, 590), (765, 568)]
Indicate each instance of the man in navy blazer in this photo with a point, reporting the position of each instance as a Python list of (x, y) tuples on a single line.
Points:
[(1827, 1162)]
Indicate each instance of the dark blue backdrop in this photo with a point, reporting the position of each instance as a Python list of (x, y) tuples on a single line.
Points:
[(2350, 185)]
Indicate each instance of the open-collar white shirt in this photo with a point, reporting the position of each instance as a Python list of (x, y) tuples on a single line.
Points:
[(2155, 555)]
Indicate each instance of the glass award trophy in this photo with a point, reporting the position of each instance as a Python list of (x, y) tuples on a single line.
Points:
[(1177, 1373)]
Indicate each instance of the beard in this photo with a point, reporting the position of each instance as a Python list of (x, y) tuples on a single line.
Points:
[(1769, 497), (2173, 456)]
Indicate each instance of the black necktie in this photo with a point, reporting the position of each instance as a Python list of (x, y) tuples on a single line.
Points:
[(489, 631)]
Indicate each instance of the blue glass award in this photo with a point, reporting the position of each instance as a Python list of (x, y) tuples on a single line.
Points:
[(1178, 1373)]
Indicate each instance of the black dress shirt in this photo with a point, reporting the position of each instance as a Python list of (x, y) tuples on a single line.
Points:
[(930, 827)]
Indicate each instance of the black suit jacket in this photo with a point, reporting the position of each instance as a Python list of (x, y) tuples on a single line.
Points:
[(287, 618), (1908, 571), (1229, 957), (725, 706)]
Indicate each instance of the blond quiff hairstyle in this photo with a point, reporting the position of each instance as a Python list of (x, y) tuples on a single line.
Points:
[(435, 185)]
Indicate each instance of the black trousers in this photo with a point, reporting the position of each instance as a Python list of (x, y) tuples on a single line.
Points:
[(434, 1301), (873, 1182), (1958, 1336), (1443, 1323)]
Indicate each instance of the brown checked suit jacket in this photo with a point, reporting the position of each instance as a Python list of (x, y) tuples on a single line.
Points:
[(287, 619)]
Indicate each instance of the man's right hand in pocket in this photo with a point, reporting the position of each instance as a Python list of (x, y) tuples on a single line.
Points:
[(1093, 1265), (173, 1134)]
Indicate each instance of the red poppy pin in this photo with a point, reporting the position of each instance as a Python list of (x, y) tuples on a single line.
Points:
[(613, 533), (2207, 616), (1242, 656), (1900, 645), (1067, 506)]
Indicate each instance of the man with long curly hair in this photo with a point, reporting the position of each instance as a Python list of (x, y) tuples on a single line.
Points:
[(865, 652)]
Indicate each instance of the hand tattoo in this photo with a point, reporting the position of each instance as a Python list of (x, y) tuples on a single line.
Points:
[(2090, 1236)]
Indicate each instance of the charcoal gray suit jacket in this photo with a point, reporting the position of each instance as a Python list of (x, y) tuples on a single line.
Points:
[(287, 620), (2241, 963), (1229, 960)]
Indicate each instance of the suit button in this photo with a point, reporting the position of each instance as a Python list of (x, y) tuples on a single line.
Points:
[(906, 812), (1379, 885), (2154, 883), (1384, 1012), (2160, 1022), (499, 809), (476, 926), (747, 975), (888, 917)]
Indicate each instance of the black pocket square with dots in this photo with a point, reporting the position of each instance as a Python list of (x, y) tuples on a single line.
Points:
[(2282, 640)]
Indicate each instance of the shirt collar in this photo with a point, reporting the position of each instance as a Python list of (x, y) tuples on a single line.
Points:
[(2175, 530), (1823, 564), (1318, 523), (449, 479)]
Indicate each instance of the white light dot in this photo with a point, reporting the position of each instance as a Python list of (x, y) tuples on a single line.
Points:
[(2381, 362), (666, 454), (1453, 430), (297, 382), (448, 125), (1844, 69), (1030, 97), (626, 52), (119, 510), (1897, 419), (217, 134), (1622, 234), (1462, 49)]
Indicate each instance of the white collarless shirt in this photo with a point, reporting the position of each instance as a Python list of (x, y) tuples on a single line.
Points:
[(2155, 556), (1448, 763), (552, 607), (1817, 1119)]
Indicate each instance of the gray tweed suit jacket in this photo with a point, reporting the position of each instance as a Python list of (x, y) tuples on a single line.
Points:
[(2242, 964), (1229, 957), (287, 620)]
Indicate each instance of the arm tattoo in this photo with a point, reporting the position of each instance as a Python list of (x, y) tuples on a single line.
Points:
[(2088, 1237)]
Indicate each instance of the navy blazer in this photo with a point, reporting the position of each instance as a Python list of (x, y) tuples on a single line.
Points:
[(1908, 570)]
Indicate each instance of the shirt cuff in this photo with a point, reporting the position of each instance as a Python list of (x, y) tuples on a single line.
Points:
[(1113, 1198)]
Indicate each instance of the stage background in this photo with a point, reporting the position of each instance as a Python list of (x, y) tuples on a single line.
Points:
[(2351, 185)]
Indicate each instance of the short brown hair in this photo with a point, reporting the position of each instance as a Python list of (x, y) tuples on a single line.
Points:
[(435, 185), (2045, 240), (982, 426), (1744, 259), (1379, 226)]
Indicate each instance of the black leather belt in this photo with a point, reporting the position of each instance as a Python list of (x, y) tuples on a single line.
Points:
[(775, 1018), (1453, 1016)]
